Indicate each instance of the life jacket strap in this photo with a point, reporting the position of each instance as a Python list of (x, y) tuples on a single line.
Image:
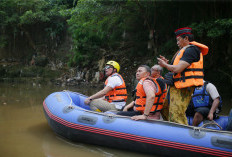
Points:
[(138, 97), (194, 69), (122, 100), (156, 104), (200, 95), (121, 94), (136, 105), (120, 88), (188, 77)]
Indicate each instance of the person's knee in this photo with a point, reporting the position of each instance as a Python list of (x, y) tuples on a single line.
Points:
[(198, 115), (94, 108), (203, 111), (198, 118), (95, 105)]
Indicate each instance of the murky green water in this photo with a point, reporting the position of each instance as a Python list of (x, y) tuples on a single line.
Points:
[(24, 131)]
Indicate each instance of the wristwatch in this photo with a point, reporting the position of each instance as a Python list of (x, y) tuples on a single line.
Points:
[(145, 115)]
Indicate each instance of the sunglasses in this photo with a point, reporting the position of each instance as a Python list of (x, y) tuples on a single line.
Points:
[(107, 67)]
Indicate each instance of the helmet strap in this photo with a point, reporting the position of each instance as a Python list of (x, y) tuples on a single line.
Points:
[(112, 72)]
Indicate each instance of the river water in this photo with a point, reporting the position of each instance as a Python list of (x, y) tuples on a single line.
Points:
[(24, 131)]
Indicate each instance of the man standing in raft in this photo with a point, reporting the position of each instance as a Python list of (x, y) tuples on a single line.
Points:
[(114, 93), (187, 66)]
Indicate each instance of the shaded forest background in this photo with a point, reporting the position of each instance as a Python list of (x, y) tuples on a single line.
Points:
[(84, 34)]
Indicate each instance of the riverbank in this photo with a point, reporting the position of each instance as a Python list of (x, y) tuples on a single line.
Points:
[(60, 74), (15, 72)]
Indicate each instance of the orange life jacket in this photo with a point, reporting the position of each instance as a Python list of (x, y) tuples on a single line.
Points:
[(140, 101), (192, 75), (119, 93)]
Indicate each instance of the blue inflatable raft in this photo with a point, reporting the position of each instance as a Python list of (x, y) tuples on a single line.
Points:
[(69, 117)]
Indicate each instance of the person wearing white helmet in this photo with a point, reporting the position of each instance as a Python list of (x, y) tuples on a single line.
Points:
[(114, 93)]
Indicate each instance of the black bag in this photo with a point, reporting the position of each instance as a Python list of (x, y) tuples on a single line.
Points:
[(168, 79)]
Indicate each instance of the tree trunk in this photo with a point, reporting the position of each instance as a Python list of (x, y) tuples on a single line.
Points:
[(28, 36)]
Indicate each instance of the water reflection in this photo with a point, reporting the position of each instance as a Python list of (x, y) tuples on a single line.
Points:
[(55, 146), (24, 131)]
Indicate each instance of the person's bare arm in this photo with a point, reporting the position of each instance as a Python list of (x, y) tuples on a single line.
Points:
[(99, 94), (130, 105), (173, 68), (150, 98), (213, 108), (150, 91)]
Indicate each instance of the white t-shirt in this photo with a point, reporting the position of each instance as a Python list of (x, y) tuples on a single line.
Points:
[(212, 90), (113, 82)]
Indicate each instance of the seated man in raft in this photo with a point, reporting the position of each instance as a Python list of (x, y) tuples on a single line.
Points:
[(205, 103), (156, 71), (150, 93), (114, 92)]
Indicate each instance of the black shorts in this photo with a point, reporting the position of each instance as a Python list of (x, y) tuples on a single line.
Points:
[(129, 113), (202, 110)]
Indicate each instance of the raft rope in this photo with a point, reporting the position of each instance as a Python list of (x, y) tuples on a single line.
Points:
[(211, 123), (70, 106)]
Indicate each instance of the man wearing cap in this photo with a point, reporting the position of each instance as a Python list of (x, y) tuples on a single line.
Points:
[(114, 93), (187, 66)]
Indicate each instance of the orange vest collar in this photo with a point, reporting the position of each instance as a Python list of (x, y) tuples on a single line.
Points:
[(203, 48)]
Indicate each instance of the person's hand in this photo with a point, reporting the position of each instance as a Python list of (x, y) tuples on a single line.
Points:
[(87, 101), (161, 62), (210, 116), (140, 117), (164, 59), (125, 109)]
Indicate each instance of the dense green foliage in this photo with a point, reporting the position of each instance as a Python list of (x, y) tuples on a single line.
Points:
[(28, 26), (107, 29), (130, 25), (129, 31), (142, 30)]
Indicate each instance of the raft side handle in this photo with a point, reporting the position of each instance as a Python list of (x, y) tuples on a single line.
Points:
[(197, 130), (110, 116), (211, 123)]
